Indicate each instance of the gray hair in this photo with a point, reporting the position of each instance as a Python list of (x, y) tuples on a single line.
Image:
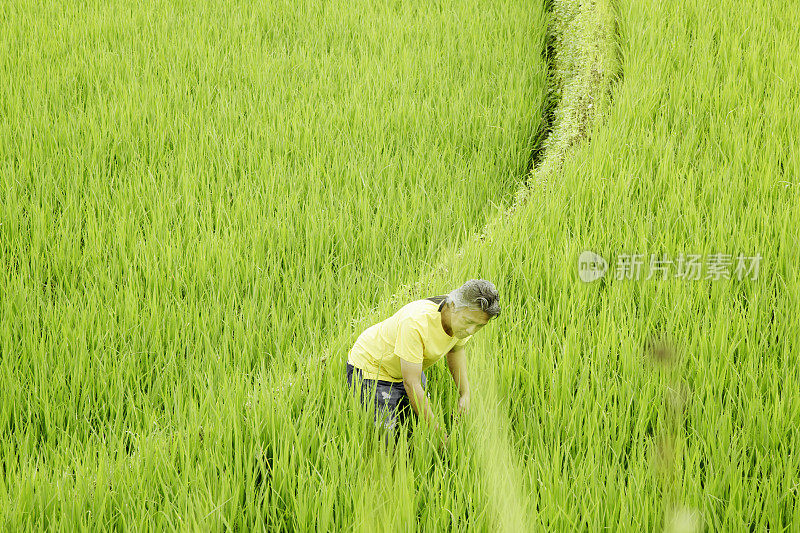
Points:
[(478, 294)]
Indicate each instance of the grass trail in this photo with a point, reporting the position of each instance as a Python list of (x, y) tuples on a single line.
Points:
[(582, 72), (581, 76)]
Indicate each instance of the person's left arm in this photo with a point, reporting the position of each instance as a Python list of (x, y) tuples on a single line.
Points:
[(457, 363)]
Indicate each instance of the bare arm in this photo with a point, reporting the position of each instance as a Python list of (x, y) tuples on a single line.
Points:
[(412, 381), (457, 363)]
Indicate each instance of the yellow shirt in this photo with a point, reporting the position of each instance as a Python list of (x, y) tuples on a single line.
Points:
[(414, 333)]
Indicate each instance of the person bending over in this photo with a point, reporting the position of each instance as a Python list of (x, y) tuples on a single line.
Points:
[(387, 363)]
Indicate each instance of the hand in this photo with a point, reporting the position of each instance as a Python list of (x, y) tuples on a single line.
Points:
[(463, 404)]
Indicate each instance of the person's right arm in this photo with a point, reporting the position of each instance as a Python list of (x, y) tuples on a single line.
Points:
[(412, 381), (409, 349)]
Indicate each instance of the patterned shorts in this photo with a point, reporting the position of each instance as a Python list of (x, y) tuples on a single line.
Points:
[(386, 399)]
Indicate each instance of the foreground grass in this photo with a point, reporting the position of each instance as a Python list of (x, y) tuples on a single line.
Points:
[(198, 196)]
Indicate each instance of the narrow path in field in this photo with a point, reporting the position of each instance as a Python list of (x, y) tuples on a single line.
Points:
[(581, 58), (583, 65)]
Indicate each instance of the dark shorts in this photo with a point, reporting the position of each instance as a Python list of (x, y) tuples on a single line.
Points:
[(386, 399)]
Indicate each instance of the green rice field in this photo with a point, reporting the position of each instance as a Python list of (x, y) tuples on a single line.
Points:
[(203, 204)]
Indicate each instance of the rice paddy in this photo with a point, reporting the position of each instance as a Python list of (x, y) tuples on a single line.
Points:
[(203, 204)]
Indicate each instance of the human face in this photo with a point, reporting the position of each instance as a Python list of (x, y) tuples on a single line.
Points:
[(466, 322)]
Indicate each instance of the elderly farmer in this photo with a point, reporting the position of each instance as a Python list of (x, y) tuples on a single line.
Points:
[(389, 358)]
